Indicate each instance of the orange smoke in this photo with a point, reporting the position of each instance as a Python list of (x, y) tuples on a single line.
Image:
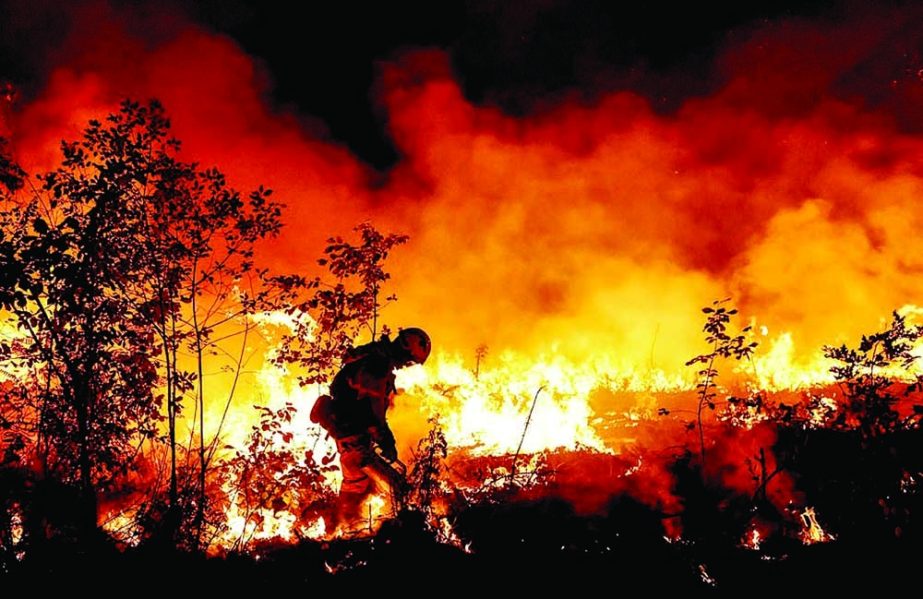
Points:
[(588, 229)]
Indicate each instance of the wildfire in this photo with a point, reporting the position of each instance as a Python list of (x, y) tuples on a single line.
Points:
[(487, 414), (511, 403), (577, 243), (777, 366)]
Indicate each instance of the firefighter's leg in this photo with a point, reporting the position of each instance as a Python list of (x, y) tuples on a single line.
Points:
[(354, 459)]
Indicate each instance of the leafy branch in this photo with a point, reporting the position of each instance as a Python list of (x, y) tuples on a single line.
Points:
[(723, 345)]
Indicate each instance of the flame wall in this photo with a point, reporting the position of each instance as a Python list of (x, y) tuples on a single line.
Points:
[(587, 231)]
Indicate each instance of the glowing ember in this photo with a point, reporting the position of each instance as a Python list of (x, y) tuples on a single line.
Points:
[(752, 539), (15, 525), (446, 534), (706, 577), (811, 531)]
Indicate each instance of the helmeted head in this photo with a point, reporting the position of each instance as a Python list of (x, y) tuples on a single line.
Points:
[(413, 344)]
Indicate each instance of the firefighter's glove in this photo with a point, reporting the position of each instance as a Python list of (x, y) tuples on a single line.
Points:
[(389, 451)]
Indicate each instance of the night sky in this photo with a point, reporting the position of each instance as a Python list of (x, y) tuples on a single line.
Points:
[(522, 56)]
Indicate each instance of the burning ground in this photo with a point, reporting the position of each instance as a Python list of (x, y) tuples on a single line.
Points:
[(559, 256)]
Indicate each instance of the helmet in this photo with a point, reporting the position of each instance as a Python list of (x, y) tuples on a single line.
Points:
[(415, 344)]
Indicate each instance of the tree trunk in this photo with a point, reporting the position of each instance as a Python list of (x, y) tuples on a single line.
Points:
[(88, 492), (200, 398)]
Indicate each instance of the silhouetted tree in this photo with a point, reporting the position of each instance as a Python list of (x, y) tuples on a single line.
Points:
[(266, 476), (876, 376), (72, 247), (425, 474), (338, 311), (120, 259)]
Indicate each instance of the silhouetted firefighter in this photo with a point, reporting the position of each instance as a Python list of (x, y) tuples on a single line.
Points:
[(354, 415)]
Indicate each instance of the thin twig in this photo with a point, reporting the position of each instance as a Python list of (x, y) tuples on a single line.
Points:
[(524, 431), (227, 405)]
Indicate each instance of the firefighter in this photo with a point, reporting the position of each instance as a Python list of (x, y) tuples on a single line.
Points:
[(354, 415)]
